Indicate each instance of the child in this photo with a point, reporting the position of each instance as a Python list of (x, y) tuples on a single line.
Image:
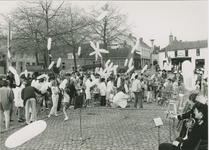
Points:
[(149, 92), (162, 99), (66, 100)]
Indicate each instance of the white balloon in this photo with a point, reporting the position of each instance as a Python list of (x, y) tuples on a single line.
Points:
[(51, 65), (145, 67), (107, 63), (12, 70), (49, 43), (58, 62), (100, 17), (131, 68), (126, 62), (79, 51), (115, 70), (130, 62), (42, 76), (17, 79), (63, 84), (152, 76), (26, 73), (188, 75), (25, 134)]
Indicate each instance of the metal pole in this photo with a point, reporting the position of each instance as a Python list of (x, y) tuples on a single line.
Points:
[(8, 45), (81, 128)]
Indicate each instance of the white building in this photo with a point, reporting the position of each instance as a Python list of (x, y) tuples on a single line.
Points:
[(142, 49), (194, 51)]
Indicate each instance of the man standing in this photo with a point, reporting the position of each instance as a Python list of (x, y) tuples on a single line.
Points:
[(137, 90), (29, 97), (6, 98)]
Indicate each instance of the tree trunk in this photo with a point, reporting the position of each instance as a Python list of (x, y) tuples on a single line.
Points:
[(37, 61), (75, 65)]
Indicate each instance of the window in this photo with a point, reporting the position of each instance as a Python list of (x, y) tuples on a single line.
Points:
[(197, 52), (176, 53), (186, 52), (70, 56)]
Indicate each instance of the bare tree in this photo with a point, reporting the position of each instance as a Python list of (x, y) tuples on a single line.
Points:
[(112, 28), (32, 24), (74, 28)]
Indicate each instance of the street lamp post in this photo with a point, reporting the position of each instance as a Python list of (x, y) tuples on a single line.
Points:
[(152, 49)]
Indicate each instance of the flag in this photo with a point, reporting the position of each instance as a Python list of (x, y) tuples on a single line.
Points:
[(78, 102)]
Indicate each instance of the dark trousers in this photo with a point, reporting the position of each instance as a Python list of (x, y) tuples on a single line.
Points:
[(167, 146), (138, 99), (59, 102), (11, 110), (103, 101)]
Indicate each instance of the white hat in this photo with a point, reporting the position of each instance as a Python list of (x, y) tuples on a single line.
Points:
[(201, 99)]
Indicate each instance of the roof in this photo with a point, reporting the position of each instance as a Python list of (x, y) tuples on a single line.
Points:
[(156, 50), (178, 45), (144, 44), (86, 49)]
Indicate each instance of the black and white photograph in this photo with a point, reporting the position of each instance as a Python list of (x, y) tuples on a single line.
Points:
[(103, 75)]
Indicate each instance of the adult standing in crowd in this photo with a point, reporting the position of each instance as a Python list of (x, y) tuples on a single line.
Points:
[(29, 97), (137, 90), (55, 97), (6, 97), (103, 90)]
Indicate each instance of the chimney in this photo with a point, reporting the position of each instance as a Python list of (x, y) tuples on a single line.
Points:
[(175, 39), (170, 38), (180, 40), (141, 39)]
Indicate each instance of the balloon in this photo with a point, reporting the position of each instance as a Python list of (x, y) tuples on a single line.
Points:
[(188, 75), (79, 51), (49, 43), (131, 68), (63, 84), (115, 70), (42, 76), (51, 65), (17, 79), (152, 76), (12, 70), (106, 64), (126, 62), (130, 62), (26, 73), (58, 62), (145, 67), (100, 17)]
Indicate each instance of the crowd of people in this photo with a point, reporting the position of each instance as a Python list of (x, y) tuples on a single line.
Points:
[(110, 91)]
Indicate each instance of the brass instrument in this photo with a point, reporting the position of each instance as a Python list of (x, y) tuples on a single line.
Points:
[(189, 121)]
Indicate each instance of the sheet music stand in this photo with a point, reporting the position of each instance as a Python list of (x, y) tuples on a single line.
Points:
[(79, 104), (158, 122)]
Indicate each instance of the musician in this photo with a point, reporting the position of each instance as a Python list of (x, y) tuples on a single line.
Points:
[(199, 129)]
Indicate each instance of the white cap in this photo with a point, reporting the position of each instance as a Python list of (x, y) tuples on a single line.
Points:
[(201, 99)]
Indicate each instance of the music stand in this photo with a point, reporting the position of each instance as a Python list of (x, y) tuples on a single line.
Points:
[(158, 122), (79, 104)]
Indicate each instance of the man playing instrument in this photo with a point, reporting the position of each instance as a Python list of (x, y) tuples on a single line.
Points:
[(197, 129)]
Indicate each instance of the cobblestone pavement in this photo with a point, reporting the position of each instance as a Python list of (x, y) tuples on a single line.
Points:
[(108, 129)]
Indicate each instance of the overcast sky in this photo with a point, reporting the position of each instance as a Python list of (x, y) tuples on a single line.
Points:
[(186, 20)]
